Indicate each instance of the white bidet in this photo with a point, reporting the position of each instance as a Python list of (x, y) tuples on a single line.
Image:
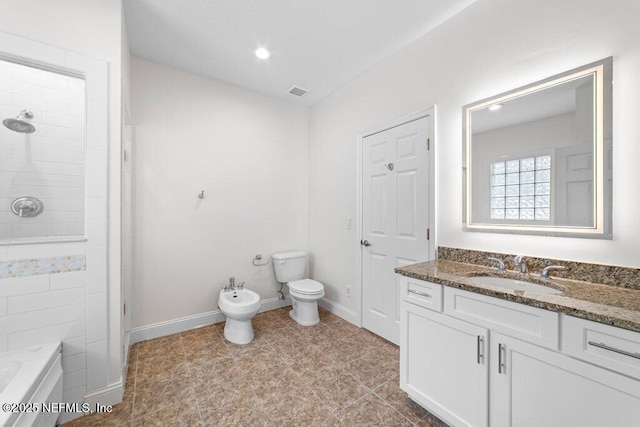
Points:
[(239, 306)]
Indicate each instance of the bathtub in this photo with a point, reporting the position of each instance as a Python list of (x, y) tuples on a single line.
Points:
[(29, 378)]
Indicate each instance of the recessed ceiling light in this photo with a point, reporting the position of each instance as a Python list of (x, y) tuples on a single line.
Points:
[(495, 107), (262, 53)]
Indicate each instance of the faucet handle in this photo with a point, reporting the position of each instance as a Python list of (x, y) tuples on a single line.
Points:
[(545, 271), (240, 285), (501, 266)]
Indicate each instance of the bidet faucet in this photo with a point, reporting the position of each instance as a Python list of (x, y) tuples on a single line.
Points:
[(519, 261), (232, 284)]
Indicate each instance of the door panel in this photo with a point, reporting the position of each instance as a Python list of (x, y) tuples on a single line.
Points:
[(395, 218)]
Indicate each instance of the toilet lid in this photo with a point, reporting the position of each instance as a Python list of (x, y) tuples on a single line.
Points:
[(306, 286)]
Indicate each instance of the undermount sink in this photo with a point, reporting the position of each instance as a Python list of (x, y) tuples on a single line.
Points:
[(517, 285)]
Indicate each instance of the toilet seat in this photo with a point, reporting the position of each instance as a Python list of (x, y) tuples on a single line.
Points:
[(306, 287)]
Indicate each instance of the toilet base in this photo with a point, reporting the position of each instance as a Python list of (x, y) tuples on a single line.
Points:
[(305, 313), (238, 331)]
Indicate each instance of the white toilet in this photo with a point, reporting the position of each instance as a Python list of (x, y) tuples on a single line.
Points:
[(290, 268)]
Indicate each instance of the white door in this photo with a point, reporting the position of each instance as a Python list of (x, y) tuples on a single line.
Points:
[(574, 186), (395, 218)]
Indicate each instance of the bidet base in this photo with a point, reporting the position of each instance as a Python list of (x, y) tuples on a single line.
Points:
[(238, 331)]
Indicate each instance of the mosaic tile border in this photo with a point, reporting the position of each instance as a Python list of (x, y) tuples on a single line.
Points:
[(47, 265), (624, 277)]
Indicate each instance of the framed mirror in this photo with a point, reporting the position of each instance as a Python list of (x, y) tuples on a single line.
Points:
[(537, 159)]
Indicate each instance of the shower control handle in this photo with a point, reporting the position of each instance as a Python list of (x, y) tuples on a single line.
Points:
[(27, 207)]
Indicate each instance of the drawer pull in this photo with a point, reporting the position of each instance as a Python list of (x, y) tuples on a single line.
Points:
[(501, 356), (480, 358), (615, 350), (424, 294)]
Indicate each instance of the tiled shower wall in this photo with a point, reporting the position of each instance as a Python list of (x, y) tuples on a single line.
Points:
[(48, 164), (45, 299)]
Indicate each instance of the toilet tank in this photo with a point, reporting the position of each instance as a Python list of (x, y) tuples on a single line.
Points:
[(290, 266)]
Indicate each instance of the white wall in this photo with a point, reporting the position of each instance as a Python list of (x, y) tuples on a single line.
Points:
[(491, 47), (248, 152)]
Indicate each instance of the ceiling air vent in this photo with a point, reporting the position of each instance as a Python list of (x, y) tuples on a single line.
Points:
[(298, 91)]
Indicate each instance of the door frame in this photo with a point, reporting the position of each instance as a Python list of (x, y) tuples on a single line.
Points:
[(429, 112)]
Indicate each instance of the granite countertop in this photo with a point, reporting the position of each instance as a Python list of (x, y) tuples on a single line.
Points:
[(612, 305)]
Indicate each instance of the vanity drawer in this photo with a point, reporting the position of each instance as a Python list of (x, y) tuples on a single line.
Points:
[(610, 347), (419, 292), (520, 321)]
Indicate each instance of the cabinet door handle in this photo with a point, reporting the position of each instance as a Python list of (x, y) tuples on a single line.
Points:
[(424, 294), (501, 358), (615, 350), (480, 357)]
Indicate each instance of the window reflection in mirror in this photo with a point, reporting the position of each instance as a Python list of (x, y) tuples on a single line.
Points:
[(536, 157)]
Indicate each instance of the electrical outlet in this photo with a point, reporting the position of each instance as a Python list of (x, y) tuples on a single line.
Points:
[(349, 291), (348, 223)]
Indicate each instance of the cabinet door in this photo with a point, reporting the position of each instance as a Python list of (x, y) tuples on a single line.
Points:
[(532, 386), (443, 365)]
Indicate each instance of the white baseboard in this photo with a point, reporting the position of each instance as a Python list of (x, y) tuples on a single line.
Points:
[(109, 395), (340, 311), (161, 329)]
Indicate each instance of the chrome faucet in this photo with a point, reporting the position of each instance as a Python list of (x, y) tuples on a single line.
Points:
[(519, 261), (232, 285), (545, 271), (499, 262)]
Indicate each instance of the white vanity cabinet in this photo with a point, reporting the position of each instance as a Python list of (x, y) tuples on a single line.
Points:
[(444, 366), (532, 386), (486, 361)]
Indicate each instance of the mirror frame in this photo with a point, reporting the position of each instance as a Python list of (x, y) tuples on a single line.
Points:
[(602, 72)]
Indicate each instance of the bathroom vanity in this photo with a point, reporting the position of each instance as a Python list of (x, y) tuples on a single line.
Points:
[(483, 355)]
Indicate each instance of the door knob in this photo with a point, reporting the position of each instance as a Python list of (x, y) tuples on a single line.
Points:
[(365, 243)]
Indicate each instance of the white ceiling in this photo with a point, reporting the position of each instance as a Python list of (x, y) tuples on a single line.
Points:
[(316, 44)]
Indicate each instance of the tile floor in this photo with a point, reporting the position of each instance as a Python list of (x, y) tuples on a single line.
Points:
[(326, 375)]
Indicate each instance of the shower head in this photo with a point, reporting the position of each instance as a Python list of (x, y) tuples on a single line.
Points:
[(21, 123)]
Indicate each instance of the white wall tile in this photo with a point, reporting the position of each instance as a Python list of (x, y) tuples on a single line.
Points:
[(96, 183), (73, 279), (75, 395), (24, 48), (96, 269), (64, 297), (97, 126), (24, 285), (74, 346), (97, 84), (46, 250), (96, 208), (68, 313), (57, 119), (24, 321), (44, 335), (3, 307), (67, 298), (96, 317), (97, 365), (4, 254), (96, 232), (3, 343), (74, 379), (62, 168), (74, 362)]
